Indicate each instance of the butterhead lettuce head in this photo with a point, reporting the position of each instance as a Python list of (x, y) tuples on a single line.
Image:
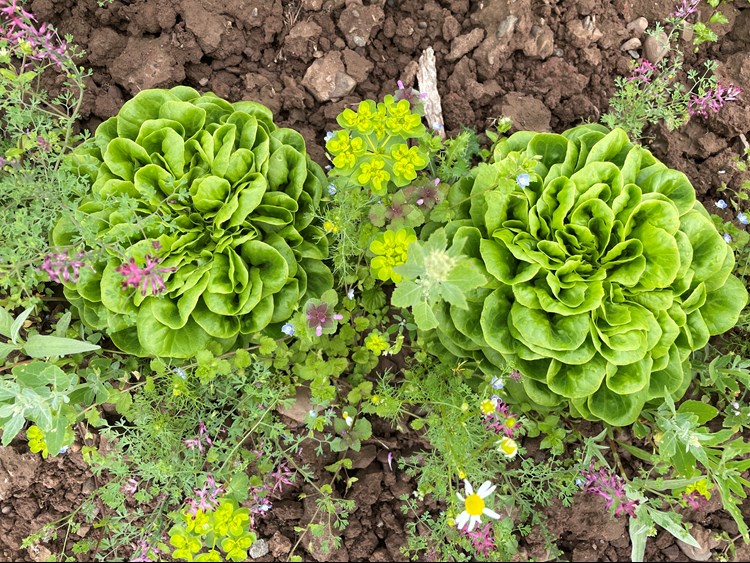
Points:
[(605, 272), (225, 200)]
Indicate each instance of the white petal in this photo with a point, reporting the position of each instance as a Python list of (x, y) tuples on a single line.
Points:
[(462, 519), (469, 488), (486, 489), (462, 499), (490, 513), (473, 521)]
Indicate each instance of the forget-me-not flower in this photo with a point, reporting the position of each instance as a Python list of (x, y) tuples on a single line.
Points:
[(523, 180), (742, 218)]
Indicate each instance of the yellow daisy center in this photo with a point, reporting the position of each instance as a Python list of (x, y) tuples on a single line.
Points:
[(487, 406), (474, 505), (510, 422)]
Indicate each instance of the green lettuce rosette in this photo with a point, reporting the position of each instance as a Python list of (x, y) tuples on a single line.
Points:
[(215, 208), (605, 273)]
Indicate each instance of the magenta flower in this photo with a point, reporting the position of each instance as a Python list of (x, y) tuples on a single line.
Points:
[(61, 267), (208, 496), (611, 488), (713, 100), (685, 8), (643, 71), (148, 276), (280, 477), (319, 318), (482, 540), (17, 27), (145, 553), (197, 442), (696, 500)]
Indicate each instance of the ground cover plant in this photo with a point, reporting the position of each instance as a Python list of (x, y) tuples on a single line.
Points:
[(217, 329)]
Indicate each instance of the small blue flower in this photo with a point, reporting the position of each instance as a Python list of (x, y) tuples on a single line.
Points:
[(313, 413), (523, 180), (580, 482), (288, 329), (328, 167), (179, 372), (496, 383), (64, 450), (721, 204), (331, 189), (727, 238), (742, 218), (328, 136)]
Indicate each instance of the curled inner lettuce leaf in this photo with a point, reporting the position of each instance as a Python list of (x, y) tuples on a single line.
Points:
[(606, 273), (224, 198)]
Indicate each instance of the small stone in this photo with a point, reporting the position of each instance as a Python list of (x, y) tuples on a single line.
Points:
[(6, 509), (451, 28), (540, 44), (359, 23), (326, 78), (357, 66), (203, 81), (637, 26), (506, 27), (583, 33), (280, 545), (632, 43), (258, 549), (704, 538), (656, 47), (312, 5), (465, 44), (422, 25), (635, 54), (527, 113)]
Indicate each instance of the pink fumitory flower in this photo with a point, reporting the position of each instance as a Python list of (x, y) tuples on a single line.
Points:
[(643, 71), (685, 8), (197, 442), (713, 100), (482, 540), (208, 497), (17, 26), (148, 276), (611, 488), (61, 267)]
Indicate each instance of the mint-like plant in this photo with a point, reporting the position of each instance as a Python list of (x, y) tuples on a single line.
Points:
[(604, 273), (210, 195)]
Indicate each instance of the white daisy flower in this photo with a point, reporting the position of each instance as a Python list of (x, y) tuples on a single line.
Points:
[(474, 506)]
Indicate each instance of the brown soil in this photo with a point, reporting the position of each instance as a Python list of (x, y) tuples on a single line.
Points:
[(542, 63)]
